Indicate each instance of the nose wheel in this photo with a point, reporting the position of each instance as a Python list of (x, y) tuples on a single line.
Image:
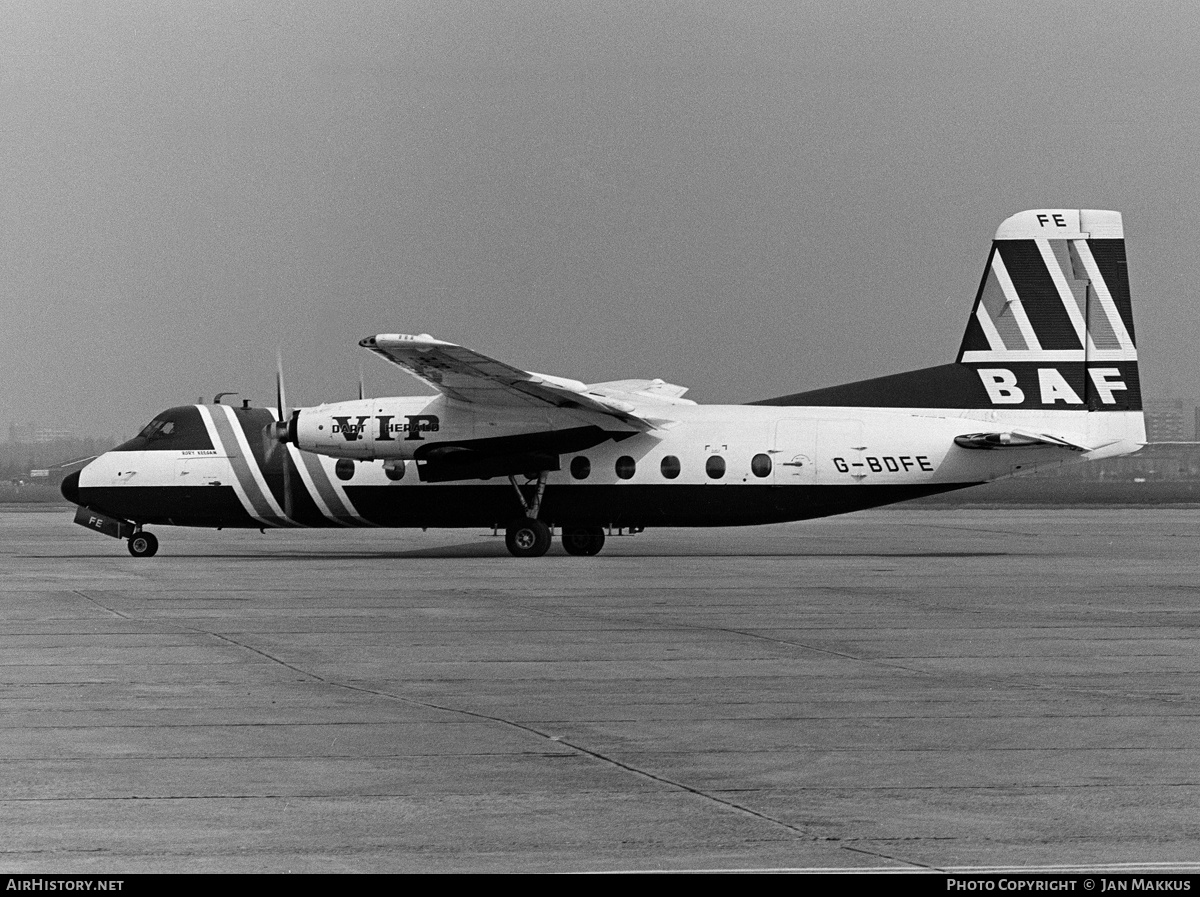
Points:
[(143, 545)]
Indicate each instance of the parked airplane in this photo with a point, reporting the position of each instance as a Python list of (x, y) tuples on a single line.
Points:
[(1046, 375)]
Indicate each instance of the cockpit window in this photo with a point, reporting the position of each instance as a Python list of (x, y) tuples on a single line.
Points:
[(177, 429), (157, 428)]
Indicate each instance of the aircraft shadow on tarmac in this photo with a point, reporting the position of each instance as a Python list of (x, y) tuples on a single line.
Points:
[(484, 550)]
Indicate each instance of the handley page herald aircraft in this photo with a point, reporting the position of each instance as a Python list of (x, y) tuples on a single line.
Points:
[(1046, 374)]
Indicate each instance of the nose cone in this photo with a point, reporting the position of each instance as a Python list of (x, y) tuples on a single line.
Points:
[(70, 487)]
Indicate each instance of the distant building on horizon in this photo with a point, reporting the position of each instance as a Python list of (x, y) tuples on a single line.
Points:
[(38, 435), (1169, 422)]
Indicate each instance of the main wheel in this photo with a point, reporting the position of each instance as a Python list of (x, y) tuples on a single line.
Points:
[(143, 545), (583, 541), (527, 538)]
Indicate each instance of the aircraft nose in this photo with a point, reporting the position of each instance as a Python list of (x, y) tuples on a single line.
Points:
[(70, 487)]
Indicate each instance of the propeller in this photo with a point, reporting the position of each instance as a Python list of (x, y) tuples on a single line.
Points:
[(278, 433)]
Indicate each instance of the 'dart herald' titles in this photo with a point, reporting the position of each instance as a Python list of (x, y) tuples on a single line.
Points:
[(1046, 374)]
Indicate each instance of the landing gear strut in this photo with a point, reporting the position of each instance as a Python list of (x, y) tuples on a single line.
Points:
[(528, 537), (143, 544)]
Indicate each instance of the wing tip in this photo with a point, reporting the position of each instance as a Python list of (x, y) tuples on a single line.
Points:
[(398, 339)]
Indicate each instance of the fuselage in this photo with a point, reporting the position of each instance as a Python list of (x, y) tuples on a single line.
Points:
[(716, 465)]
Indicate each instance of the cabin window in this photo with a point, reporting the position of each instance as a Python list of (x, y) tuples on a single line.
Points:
[(760, 465), (715, 467), (344, 468), (626, 467), (394, 471), (669, 467), (580, 467)]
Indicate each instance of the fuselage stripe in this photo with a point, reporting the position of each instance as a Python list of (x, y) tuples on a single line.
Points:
[(336, 498), (246, 469), (300, 459), (239, 489)]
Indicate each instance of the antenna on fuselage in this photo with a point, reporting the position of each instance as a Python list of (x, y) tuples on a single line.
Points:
[(217, 398)]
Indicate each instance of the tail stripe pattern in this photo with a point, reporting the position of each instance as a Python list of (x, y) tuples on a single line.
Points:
[(1071, 290), (1041, 298), (1099, 288), (1001, 303)]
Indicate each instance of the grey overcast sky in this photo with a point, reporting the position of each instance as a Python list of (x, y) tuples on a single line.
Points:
[(747, 198)]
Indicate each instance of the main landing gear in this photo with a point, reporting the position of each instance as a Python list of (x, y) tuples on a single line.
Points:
[(528, 537), (584, 541), (143, 544)]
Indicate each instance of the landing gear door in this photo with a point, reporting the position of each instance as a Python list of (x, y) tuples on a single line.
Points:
[(795, 453)]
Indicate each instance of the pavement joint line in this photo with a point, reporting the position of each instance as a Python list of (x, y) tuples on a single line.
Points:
[(728, 804), (87, 597), (649, 622), (874, 661), (746, 634), (879, 854)]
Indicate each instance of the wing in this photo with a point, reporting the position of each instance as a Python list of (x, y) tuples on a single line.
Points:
[(468, 376)]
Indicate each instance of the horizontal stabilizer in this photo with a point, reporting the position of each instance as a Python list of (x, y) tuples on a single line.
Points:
[(1015, 439)]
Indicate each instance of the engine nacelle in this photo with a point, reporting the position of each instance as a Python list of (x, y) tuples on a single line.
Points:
[(368, 429), (402, 428)]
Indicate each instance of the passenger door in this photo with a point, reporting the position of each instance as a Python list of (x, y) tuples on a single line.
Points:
[(794, 453)]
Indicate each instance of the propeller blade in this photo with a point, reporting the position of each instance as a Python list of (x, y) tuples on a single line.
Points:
[(281, 434), (280, 400), (287, 483)]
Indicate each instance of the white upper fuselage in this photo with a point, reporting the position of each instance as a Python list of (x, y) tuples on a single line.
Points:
[(806, 445)]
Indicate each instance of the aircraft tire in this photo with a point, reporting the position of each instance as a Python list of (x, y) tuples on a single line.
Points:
[(527, 538), (583, 541), (143, 545)]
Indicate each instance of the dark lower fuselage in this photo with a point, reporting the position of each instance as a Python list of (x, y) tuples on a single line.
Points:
[(494, 504)]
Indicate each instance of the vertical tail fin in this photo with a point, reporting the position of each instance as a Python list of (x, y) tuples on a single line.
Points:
[(1051, 329), (1053, 312)]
